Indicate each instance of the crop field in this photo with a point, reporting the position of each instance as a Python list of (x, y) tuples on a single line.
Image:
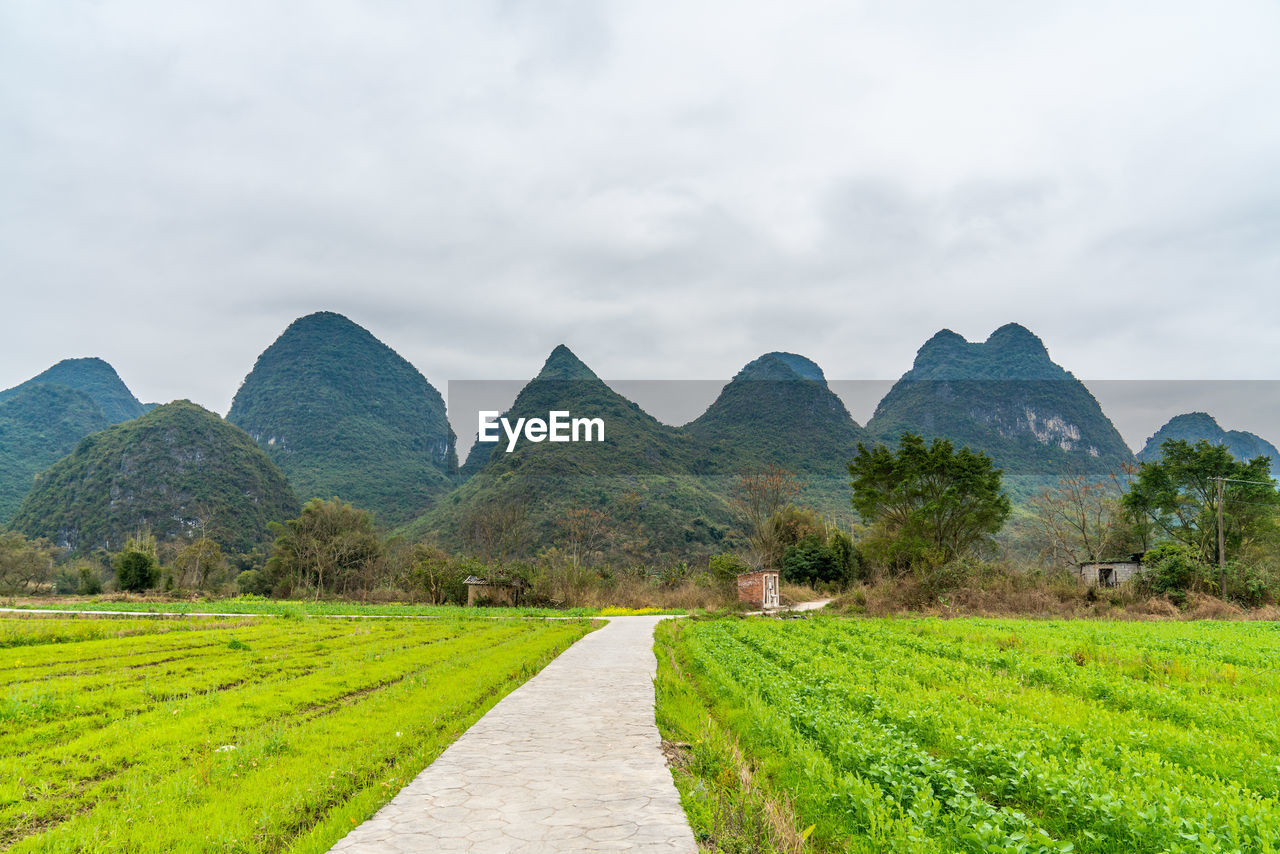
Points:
[(977, 735), (239, 734), (316, 608)]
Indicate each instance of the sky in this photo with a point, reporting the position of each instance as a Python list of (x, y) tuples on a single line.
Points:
[(671, 189)]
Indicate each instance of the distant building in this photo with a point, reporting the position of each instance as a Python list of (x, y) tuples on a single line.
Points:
[(759, 588), (492, 591), (1109, 573)]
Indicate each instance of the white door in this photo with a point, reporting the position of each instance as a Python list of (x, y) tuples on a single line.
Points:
[(771, 591)]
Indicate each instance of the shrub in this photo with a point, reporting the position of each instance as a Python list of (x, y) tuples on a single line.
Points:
[(90, 581), (1172, 568), (725, 568), (251, 582), (136, 570)]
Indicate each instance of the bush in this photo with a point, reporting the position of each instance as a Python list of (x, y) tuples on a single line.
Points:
[(251, 582), (1172, 568), (66, 582), (136, 571), (725, 568), (90, 581), (811, 561)]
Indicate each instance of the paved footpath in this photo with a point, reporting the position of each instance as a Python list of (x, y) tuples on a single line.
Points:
[(569, 761)]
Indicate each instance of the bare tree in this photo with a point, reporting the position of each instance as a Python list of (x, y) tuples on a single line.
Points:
[(755, 499), (1082, 519), (499, 530)]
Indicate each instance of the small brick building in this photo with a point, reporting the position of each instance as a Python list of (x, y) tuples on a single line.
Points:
[(759, 588), (1110, 573)]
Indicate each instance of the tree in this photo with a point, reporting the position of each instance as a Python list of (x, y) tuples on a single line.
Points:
[(434, 575), (25, 565), (583, 532), (755, 499), (198, 561), (499, 530), (929, 504), (1083, 520), (136, 569), (331, 547), (1179, 494)]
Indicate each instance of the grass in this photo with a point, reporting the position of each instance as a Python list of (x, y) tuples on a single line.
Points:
[(317, 608), (236, 734), (975, 735)]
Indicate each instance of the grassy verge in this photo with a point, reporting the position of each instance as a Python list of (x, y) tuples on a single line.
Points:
[(731, 808), (305, 607), (236, 735)]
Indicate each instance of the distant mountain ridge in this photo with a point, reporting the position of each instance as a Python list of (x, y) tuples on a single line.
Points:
[(1197, 426), (344, 415), (42, 420), (95, 378), (1006, 397), (177, 471)]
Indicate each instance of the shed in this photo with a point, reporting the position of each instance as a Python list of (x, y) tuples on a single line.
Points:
[(759, 588), (1110, 573), (492, 591)]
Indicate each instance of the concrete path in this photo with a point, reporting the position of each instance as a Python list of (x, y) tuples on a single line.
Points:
[(569, 761)]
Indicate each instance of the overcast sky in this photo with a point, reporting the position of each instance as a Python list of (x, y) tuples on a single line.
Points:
[(669, 188)]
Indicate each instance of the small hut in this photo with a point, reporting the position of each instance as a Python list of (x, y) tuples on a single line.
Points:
[(759, 588), (1110, 573), (492, 591)]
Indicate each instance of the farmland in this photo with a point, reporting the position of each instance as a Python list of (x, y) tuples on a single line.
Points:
[(236, 734), (982, 736)]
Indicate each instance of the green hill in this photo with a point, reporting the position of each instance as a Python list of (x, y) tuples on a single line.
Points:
[(778, 410), (342, 414), (1196, 426), (178, 470), (639, 478), (1005, 397), (39, 425), (95, 378)]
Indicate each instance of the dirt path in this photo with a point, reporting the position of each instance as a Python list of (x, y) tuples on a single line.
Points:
[(569, 761)]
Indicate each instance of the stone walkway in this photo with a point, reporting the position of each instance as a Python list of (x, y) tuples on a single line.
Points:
[(569, 761)]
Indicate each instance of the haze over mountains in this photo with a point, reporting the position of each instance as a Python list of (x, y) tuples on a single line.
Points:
[(336, 412)]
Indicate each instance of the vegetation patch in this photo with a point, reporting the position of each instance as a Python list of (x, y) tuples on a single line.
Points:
[(226, 735), (980, 735)]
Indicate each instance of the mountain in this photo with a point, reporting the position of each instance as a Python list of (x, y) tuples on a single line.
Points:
[(344, 415), (178, 470), (42, 419), (638, 478), (39, 425), (1006, 397), (95, 378), (1196, 426), (778, 410)]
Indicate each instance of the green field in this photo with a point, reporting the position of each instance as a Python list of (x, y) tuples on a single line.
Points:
[(976, 735), (238, 734), (320, 608)]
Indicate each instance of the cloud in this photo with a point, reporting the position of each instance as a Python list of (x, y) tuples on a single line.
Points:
[(671, 189)]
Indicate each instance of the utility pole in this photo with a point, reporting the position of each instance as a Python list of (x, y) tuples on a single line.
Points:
[(1222, 556)]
